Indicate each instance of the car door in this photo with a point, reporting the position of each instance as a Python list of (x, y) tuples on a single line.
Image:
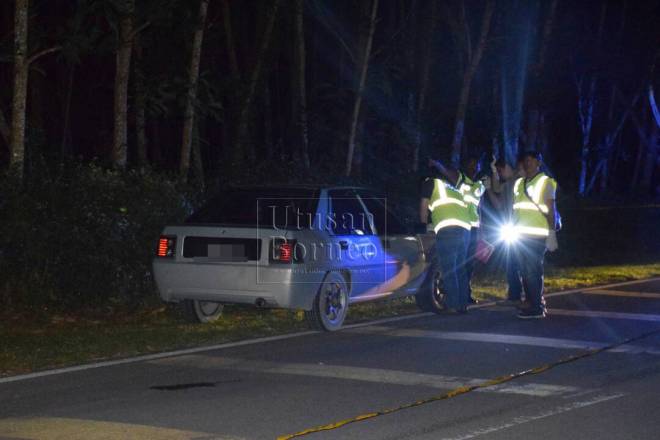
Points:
[(403, 260), (355, 246)]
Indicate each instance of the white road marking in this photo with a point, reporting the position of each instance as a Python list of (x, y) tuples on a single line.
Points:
[(506, 339), (374, 375), (605, 315), (623, 293), (208, 348), (543, 415), (606, 286), (204, 349)]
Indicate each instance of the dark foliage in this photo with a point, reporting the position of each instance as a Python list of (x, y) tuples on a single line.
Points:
[(82, 235)]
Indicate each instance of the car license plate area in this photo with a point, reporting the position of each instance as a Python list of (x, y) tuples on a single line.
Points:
[(226, 252), (222, 249)]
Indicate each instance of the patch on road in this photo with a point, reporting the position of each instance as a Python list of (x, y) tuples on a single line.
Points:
[(56, 428), (185, 386)]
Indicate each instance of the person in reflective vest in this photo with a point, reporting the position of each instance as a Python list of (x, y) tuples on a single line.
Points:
[(450, 220), (472, 189), (534, 214)]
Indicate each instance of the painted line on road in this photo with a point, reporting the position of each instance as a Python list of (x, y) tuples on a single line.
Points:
[(151, 357), (362, 374), (142, 358), (622, 293), (604, 286), (206, 348), (605, 315), (467, 389), (58, 428), (505, 339), (542, 415)]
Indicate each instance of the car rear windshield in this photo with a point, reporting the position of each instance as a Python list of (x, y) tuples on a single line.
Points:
[(283, 208)]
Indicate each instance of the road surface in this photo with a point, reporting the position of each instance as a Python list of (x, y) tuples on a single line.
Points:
[(284, 386)]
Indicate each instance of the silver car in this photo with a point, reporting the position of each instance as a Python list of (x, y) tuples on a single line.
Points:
[(313, 248)]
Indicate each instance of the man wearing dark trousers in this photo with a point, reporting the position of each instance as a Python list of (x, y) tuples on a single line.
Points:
[(472, 190), (534, 214), (450, 221)]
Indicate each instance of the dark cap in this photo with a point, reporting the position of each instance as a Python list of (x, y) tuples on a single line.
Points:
[(530, 153)]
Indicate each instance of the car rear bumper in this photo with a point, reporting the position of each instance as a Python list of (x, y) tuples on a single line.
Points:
[(291, 287)]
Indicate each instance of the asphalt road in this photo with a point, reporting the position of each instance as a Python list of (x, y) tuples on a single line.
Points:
[(281, 387)]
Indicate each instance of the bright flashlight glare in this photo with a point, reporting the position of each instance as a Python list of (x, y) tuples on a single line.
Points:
[(508, 233)]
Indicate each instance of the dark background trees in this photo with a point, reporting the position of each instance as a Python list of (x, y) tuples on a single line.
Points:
[(254, 90), (118, 116)]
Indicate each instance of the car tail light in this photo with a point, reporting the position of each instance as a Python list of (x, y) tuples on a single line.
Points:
[(166, 246), (283, 251)]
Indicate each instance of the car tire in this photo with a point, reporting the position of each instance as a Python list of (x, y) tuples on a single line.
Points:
[(431, 296), (196, 311), (330, 304)]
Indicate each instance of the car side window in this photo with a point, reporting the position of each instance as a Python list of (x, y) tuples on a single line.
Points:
[(347, 216), (385, 222)]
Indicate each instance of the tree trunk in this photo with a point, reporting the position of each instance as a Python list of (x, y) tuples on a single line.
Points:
[(424, 84), (360, 89), (651, 156), (156, 150), (122, 74), (19, 99), (244, 114), (536, 139), (67, 147), (459, 125), (547, 30), (585, 113), (301, 79), (191, 96), (229, 40), (641, 124), (140, 103), (638, 164), (268, 122), (5, 131), (411, 136), (586, 110), (198, 162)]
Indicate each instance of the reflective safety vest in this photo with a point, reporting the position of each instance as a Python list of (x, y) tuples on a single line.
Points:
[(529, 208), (472, 192), (448, 207)]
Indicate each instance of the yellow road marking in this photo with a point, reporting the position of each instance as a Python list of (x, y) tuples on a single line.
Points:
[(56, 428), (466, 389), (624, 293)]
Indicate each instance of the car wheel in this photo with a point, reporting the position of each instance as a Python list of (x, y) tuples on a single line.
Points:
[(431, 297), (197, 311), (330, 305)]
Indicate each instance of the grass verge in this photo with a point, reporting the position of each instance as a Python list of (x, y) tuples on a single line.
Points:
[(37, 343)]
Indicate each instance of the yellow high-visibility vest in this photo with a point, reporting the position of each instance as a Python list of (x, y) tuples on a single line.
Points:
[(448, 207), (472, 192), (529, 208)]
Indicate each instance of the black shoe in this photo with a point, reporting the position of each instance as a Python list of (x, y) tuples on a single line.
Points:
[(473, 301), (524, 305), (530, 314)]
